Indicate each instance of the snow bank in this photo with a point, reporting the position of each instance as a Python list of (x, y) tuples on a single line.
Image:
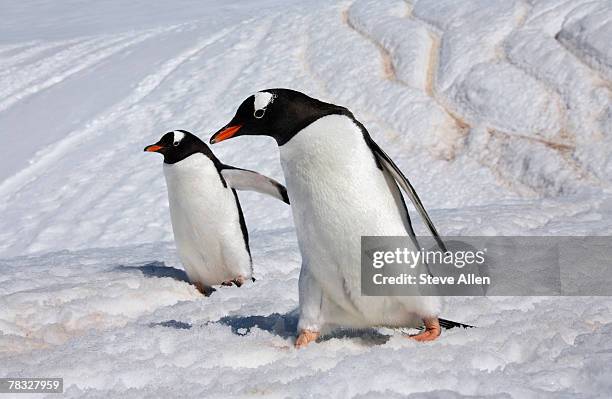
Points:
[(83, 316)]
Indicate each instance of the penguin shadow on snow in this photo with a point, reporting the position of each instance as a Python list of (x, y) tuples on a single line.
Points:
[(159, 269), (282, 325), (285, 326), (178, 325)]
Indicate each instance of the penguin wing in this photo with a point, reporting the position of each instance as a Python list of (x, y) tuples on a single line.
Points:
[(390, 167), (243, 179)]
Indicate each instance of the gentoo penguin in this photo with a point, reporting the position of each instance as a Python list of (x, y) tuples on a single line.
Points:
[(209, 229), (342, 186)]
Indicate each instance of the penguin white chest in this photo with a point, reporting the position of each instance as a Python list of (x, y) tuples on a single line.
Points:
[(334, 183), (338, 194), (205, 221)]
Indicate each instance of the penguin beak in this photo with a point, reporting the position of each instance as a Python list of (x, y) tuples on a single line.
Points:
[(153, 148), (225, 133)]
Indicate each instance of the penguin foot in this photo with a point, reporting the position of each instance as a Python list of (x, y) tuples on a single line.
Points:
[(206, 291), (432, 330), (305, 337), (238, 281)]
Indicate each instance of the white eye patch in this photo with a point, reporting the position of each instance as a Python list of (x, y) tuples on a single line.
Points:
[(178, 136), (262, 100)]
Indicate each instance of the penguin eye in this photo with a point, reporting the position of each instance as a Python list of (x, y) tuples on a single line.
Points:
[(259, 113), (176, 143)]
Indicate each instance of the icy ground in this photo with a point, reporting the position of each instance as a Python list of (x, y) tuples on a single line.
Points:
[(499, 112)]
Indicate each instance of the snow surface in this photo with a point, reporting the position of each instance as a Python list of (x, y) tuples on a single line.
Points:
[(498, 111)]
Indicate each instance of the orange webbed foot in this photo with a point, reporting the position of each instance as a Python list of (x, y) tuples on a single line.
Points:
[(305, 337), (432, 330)]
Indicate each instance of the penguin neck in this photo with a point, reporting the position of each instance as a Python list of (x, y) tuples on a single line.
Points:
[(326, 144), (303, 113), (173, 158), (191, 173)]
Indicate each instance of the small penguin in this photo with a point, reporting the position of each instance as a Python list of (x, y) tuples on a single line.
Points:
[(342, 186), (209, 229)]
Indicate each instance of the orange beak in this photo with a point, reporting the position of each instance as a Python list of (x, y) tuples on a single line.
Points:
[(153, 148), (225, 134)]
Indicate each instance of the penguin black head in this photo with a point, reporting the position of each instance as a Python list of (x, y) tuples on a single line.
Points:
[(178, 145), (278, 113)]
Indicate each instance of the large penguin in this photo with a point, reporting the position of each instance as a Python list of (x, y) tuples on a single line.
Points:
[(342, 186), (209, 229)]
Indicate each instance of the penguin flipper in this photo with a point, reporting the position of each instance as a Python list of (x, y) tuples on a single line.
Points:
[(390, 166), (243, 179)]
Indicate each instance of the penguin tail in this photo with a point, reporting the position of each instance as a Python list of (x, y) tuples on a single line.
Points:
[(448, 324)]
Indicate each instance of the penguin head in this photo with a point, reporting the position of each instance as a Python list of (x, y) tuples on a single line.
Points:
[(278, 113), (178, 145)]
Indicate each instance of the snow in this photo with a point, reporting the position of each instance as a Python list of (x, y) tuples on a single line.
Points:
[(498, 111), (586, 35)]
